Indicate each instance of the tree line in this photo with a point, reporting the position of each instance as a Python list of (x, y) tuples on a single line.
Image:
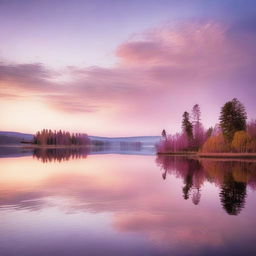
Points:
[(232, 134), (49, 137)]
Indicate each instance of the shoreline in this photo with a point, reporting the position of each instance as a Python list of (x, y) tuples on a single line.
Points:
[(181, 153), (212, 155), (227, 155)]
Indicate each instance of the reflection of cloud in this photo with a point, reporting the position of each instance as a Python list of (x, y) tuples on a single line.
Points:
[(21, 198), (170, 229), (131, 191)]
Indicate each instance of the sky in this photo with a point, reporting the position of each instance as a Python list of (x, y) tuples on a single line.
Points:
[(123, 68)]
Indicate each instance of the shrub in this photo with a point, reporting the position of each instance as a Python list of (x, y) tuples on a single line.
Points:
[(173, 143)]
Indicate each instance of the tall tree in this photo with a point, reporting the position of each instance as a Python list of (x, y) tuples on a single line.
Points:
[(187, 126), (198, 130), (196, 113), (232, 118)]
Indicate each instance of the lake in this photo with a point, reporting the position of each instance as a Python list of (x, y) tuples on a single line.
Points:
[(58, 202)]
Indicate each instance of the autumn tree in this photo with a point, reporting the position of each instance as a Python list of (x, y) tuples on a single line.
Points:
[(232, 118), (240, 141), (216, 144), (251, 128)]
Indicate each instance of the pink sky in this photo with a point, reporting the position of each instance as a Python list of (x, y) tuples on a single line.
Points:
[(136, 83)]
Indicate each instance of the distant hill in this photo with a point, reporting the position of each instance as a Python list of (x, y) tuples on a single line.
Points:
[(17, 137), (14, 137)]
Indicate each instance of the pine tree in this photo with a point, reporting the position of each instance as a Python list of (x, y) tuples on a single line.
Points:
[(232, 118), (187, 125), (198, 130), (196, 114)]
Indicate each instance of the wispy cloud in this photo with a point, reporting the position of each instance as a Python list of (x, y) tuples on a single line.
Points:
[(192, 61)]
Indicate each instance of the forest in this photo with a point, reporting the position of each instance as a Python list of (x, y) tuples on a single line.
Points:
[(49, 137), (233, 134)]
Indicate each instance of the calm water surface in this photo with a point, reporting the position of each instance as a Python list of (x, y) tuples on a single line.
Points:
[(71, 203)]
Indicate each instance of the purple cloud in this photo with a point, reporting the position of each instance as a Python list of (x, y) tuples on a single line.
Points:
[(196, 62)]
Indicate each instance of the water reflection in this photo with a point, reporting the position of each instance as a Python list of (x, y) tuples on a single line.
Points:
[(122, 203), (232, 177), (60, 154), (232, 195)]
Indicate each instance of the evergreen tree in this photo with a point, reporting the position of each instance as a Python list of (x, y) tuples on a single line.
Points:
[(198, 130), (196, 114), (164, 135), (232, 118), (187, 126)]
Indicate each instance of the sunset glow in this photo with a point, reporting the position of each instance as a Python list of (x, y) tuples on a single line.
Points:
[(88, 66)]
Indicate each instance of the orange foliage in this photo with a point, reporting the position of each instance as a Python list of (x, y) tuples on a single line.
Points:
[(240, 141), (216, 144), (243, 142)]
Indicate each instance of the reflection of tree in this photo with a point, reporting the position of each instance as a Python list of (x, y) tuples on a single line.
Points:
[(196, 196), (189, 170), (232, 195), (231, 176), (60, 154), (188, 180), (191, 180)]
